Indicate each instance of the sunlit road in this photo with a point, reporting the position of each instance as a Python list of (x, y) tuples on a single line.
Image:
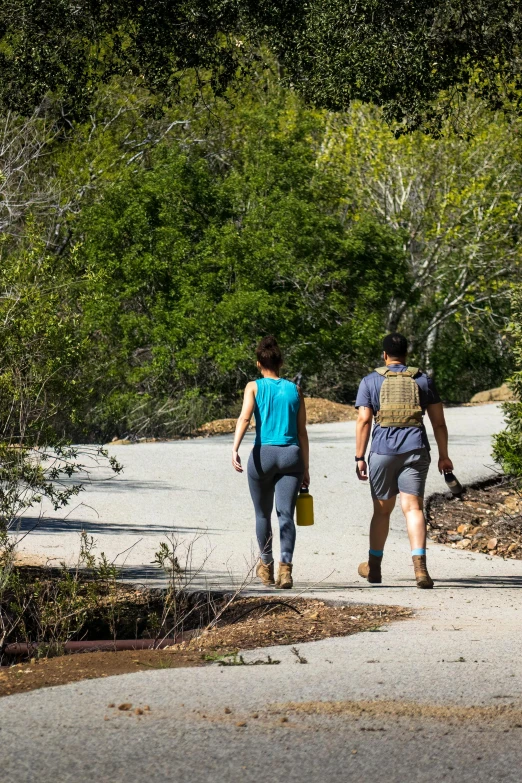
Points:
[(461, 649)]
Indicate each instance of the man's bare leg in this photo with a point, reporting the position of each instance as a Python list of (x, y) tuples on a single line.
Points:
[(413, 509), (379, 528), (380, 524)]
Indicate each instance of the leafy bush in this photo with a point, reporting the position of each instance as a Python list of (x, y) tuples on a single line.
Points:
[(507, 448), (187, 264)]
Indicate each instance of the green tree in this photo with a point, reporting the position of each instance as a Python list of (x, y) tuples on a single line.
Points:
[(457, 202), (190, 261), (398, 54)]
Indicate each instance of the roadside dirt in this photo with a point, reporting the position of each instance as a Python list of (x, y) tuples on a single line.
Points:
[(249, 623), (318, 411), (488, 519)]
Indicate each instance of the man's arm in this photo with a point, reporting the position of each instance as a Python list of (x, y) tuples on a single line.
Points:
[(440, 431), (363, 429)]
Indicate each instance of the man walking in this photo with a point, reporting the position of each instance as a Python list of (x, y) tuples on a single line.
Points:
[(398, 396)]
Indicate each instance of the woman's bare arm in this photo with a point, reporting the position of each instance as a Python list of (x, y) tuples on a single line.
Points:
[(243, 422), (302, 435)]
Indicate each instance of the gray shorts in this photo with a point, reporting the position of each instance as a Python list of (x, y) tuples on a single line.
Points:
[(394, 473)]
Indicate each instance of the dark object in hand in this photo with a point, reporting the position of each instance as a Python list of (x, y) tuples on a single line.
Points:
[(454, 484)]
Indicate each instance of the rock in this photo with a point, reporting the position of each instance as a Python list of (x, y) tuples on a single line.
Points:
[(501, 394), (463, 544), (511, 502), (463, 529), (512, 547), (125, 707), (492, 543)]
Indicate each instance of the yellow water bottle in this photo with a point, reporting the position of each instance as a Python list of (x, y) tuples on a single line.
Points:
[(304, 507)]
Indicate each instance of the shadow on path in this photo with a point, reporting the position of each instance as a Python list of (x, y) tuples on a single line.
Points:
[(458, 583), (485, 582), (130, 485), (224, 580), (206, 580), (52, 525)]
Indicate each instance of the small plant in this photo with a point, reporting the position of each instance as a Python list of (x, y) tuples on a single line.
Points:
[(177, 605), (299, 657)]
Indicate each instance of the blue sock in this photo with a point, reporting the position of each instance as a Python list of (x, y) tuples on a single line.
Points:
[(377, 552), (415, 552)]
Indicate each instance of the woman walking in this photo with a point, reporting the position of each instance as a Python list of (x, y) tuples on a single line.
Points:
[(278, 463)]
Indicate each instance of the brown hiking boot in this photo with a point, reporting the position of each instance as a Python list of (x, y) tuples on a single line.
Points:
[(266, 573), (424, 580), (284, 577), (371, 570)]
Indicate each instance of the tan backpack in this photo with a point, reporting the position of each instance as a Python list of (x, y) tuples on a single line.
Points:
[(399, 399)]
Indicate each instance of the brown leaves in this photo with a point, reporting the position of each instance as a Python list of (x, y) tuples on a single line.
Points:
[(489, 520)]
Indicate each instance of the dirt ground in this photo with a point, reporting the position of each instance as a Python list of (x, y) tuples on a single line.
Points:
[(249, 623), (487, 519)]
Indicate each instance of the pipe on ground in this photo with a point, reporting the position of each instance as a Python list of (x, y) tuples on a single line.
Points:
[(101, 645)]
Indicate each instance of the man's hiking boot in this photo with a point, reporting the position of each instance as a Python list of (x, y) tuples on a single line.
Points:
[(371, 570), (265, 571), (424, 580), (284, 577)]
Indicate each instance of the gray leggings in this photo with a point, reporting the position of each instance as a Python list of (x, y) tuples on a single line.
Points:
[(275, 470)]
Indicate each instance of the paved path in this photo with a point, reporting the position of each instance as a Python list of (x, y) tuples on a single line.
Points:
[(462, 648)]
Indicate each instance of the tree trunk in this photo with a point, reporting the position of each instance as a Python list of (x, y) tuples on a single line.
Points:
[(427, 351)]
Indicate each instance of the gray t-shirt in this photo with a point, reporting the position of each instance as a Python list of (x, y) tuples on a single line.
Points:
[(396, 440)]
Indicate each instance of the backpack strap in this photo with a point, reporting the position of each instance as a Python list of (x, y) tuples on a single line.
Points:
[(413, 371), (382, 371)]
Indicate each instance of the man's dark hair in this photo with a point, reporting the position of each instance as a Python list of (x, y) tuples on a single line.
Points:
[(395, 345)]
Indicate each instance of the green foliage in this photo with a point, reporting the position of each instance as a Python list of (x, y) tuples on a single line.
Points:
[(188, 265), (40, 346), (507, 445), (69, 49), (133, 299), (466, 362), (401, 55), (457, 202)]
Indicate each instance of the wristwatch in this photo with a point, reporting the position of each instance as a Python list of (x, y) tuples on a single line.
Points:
[(360, 459)]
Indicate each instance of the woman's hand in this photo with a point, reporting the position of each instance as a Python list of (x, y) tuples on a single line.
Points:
[(306, 478), (236, 462)]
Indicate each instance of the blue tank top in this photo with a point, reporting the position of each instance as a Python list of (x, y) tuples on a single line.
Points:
[(276, 408)]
